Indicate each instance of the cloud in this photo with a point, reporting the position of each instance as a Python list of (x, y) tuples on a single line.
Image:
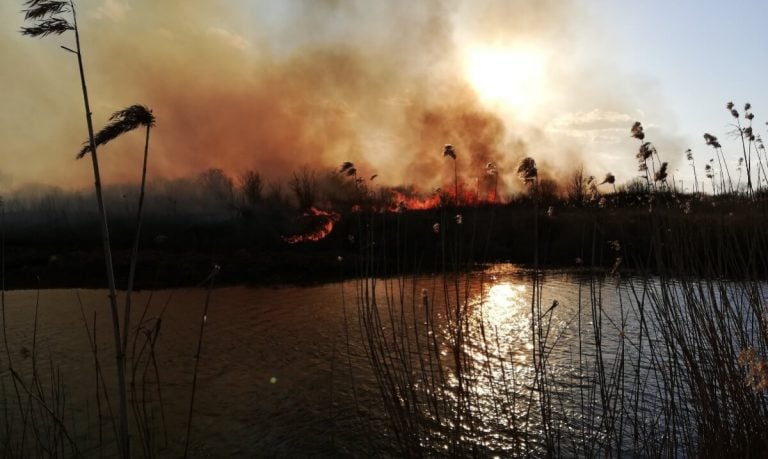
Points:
[(596, 126), (592, 120)]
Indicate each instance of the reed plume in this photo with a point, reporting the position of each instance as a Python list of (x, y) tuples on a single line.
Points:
[(744, 134), (759, 147), (594, 193), (349, 169), (710, 174), (643, 153), (610, 179), (712, 141), (492, 170), (689, 157), (121, 121), (346, 167), (38, 9), (527, 170), (47, 27), (661, 174), (646, 150), (45, 14), (449, 151)]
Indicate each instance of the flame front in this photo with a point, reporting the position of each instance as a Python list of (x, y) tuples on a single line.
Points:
[(400, 200), (411, 200), (325, 219)]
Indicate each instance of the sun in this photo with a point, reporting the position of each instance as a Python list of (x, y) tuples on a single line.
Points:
[(513, 78)]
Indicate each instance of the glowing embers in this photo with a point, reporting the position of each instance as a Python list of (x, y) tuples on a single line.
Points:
[(321, 223)]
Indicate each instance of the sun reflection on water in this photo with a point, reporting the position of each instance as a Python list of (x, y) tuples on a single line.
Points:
[(497, 378), (503, 299), (505, 311)]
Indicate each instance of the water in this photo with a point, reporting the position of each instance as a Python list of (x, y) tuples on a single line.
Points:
[(288, 371), (265, 378)]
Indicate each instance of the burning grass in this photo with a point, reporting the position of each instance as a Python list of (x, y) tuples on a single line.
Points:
[(321, 223)]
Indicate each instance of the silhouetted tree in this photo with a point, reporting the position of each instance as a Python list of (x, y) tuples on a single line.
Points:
[(218, 186), (304, 187), (251, 187), (575, 186)]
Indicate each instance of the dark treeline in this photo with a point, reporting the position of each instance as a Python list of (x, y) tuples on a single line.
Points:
[(211, 197), (242, 223), (50, 232)]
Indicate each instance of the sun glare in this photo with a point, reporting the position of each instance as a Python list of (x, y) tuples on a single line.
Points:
[(511, 77)]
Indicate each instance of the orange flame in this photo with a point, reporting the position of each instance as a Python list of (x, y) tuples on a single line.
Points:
[(412, 200), (325, 220), (402, 201)]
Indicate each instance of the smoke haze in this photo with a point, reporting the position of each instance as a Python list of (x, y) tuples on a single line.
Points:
[(273, 86)]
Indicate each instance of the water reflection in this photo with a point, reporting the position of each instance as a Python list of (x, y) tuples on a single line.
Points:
[(506, 310), (330, 371), (499, 344), (518, 363)]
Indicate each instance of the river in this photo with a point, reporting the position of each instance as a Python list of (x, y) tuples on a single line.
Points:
[(296, 371)]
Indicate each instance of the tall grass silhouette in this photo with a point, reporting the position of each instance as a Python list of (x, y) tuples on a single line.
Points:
[(712, 141), (610, 179), (676, 367), (55, 18), (121, 122), (689, 157), (744, 133), (450, 152)]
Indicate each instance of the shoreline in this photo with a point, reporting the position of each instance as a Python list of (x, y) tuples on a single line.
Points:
[(382, 245)]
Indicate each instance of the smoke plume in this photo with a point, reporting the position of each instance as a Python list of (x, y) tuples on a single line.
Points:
[(273, 86)]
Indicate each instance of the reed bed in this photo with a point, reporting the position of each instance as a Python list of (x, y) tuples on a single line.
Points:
[(675, 365)]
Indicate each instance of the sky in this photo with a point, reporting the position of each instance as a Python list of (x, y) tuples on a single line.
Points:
[(273, 86)]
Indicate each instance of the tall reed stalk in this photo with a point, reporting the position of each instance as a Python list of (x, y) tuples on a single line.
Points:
[(121, 122), (210, 281), (659, 370), (689, 157), (48, 20)]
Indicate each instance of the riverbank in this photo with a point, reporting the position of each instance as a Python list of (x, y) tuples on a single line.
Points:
[(671, 236)]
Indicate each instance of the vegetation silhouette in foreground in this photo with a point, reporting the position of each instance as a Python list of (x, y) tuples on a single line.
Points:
[(54, 18), (121, 122)]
